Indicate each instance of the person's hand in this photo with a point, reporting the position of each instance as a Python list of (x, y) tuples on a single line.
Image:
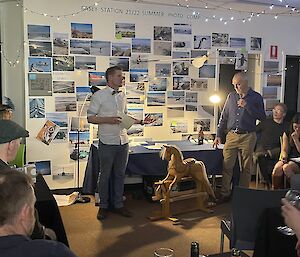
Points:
[(291, 216), (216, 142), (149, 120), (241, 103), (113, 120), (295, 136), (297, 248), (284, 160)]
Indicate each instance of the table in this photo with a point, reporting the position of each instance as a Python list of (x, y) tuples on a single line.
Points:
[(48, 211), (228, 254), (143, 161)]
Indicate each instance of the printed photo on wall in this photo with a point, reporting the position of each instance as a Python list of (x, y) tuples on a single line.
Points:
[(80, 124), (85, 63), (83, 153), (179, 126), (84, 138), (40, 48), (121, 49), (156, 98), (63, 63), (126, 30), (81, 30), (154, 119), (274, 80), (60, 119), (198, 53), (60, 44), (136, 129), (181, 68), (207, 71), (43, 167), (48, 132), (175, 98), (162, 69), (38, 32), (227, 57), (61, 136), (269, 92), (181, 44), (135, 100), (162, 33), (121, 62), (202, 42), (101, 48), (139, 75), (241, 61), (36, 108), (63, 172), (65, 104), (271, 67), (141, 45), (220, 39), (97, 79), (83, 94), (158, 84), (135, 89), (199, 84), (191, 99), (270, 103), (40, 84), (162, 48), (139, 61), (175, 111), (255, 43), (80, 46), (183, 29), (63, 86), (36, 64), (238, 42), (201, 123), (180, 54), (181, 83)]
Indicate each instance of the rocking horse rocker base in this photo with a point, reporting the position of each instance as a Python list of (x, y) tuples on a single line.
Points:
[(177, 170)]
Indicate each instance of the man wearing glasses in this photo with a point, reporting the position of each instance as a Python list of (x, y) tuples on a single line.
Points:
[(238, 118)]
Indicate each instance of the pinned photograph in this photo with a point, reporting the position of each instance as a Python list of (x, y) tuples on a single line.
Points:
[(162, 70), (100, 48), (126, 30), (40, 48), (80, 124), (135, 89), (83, 94), (38, 32), (60, 43), (121, 62), (156, 98), (63, 63), (181, 83), (269, 92), (141, 45), (36, 108), (201, 123), (139, 61), (85, 63), (60, 119), (43, 167), (155, 119), (84, 138), (48, 132), (97, 78), (220, 39), (180, 54), (135, 100), (121, 49), (183, 29), (61, 136), (181, 44), (175, 97), (181, 68), (63, 86), (162, 48), (270, 103), (139, 75), (207, 71), (241, 62), (191, 99), (36, 64), (83, 153), (80, 46), (158, 84), (40, 84), (206, 111), (274, 80), (238, 42), (255, 43), (271, 67), (136, 129), (175, 111), (179, 126), (63, 172), (65, 104), (198, 53), (199, 84), (227, 57), (202, 42), (81, 30), (162, 33)]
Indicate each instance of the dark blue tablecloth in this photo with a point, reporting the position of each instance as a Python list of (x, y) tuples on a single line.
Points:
[(143, 161)]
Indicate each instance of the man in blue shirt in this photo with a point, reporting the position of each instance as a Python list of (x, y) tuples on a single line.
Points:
[(238, 118)]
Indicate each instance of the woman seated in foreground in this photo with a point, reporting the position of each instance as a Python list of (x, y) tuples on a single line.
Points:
[(290, 149)]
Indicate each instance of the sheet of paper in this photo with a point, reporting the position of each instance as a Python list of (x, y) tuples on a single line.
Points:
[(157, 146), (295, 159), (65, 200), (127, 121)]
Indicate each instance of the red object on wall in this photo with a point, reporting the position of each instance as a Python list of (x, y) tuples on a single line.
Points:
[(273, 52)]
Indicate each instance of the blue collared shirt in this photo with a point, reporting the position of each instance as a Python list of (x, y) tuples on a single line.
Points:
[(234, 117)]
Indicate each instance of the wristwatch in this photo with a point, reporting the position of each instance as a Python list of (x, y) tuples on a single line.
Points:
[(142, 122)]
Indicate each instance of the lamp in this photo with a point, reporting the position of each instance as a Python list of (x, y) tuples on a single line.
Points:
[(198, 62), (215, 99)]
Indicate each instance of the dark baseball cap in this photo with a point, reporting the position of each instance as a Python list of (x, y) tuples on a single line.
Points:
[(9, 131), (6, 104)]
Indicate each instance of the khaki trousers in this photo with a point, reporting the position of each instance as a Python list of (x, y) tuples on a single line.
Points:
[(244, 143)]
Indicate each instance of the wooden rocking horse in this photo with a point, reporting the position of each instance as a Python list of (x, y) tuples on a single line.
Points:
[(179, 168)]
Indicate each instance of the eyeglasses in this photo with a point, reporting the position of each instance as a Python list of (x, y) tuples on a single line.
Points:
[(277, 110)]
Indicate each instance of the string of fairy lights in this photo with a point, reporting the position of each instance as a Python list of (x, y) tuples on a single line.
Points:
[(273, 9)]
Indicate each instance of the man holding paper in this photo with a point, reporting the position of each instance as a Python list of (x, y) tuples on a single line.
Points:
[(108, 109)]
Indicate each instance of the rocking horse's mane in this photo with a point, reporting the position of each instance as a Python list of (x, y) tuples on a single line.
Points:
[(163, 151)]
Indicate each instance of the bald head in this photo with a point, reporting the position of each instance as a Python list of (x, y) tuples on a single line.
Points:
[(240, 83)]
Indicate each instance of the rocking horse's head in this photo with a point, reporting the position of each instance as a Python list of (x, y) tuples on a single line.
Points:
[(166, 152)]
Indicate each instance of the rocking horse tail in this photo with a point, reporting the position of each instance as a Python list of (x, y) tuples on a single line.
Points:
[(206, 183)]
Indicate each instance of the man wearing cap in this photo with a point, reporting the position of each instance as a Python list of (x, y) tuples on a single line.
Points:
[(10, 138), (6, 109)]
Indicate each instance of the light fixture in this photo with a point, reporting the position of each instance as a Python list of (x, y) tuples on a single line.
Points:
[(215, 99), (199, 61)]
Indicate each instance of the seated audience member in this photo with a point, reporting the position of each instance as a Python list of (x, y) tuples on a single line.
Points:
[(17, 220), (6, 109), (268, 144), (290, 149), (292, 218)]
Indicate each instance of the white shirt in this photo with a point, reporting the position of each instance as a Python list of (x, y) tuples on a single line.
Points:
[(105, 104)]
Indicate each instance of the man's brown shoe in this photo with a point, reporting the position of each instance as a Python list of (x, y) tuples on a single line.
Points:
[(123, 212), (102, 214)]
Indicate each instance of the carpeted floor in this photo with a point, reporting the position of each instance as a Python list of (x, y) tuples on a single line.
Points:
[(137, 236)]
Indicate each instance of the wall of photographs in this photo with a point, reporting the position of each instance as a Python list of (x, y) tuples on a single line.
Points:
[(65, 57)]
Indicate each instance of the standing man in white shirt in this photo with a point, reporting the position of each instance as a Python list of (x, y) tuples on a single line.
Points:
[(105, 109)]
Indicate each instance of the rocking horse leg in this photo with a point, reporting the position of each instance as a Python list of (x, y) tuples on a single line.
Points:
[(202, 198)]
